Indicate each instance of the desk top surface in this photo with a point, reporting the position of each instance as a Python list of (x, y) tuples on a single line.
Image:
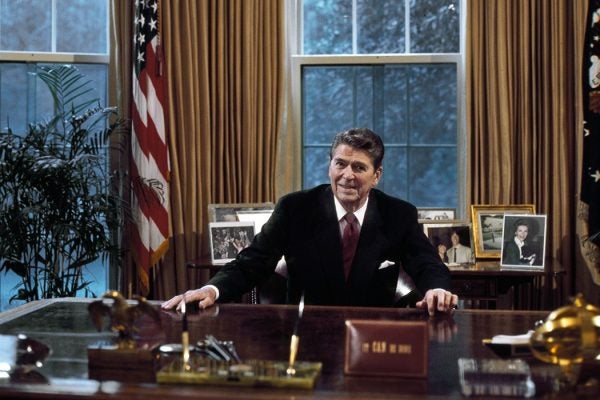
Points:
[(479, 268), (259, 332)]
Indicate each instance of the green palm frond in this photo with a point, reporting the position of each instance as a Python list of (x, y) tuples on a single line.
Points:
[(68, 88), (57, 209)]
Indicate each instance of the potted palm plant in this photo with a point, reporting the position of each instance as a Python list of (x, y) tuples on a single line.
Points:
[(57, 212)]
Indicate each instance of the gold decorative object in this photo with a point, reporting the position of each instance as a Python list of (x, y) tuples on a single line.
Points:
[(132, 356), (249, 373), (569, 337), (122, 316)]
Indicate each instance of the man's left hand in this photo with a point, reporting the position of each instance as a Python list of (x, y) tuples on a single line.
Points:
[(438, 300)]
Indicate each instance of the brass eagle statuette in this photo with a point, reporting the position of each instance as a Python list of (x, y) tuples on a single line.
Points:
[(122, 315)]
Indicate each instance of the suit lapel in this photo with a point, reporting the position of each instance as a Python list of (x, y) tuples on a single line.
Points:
[(328, 241), (370, 246)]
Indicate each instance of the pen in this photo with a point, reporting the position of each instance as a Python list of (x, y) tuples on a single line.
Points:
[(185, 339), (295, 339)]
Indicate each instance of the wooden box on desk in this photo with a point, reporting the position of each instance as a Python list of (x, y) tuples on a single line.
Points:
[(106, 361)]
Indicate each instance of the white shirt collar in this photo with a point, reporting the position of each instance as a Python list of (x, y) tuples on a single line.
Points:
[(519, 242), (359, 214)]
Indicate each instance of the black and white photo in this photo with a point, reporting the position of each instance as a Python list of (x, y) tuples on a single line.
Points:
[(524, 241), (227, 239)]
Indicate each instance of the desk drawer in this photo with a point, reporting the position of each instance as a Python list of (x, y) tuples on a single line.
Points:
[(477, 287)]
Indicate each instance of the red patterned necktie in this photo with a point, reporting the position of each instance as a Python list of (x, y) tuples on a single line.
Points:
[(349, 242)]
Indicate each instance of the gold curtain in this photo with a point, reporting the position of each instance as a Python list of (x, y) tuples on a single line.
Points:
[(523, 111), (120, 70), (223, 62)]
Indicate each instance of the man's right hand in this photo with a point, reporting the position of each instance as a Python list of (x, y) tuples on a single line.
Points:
[(205, 296)]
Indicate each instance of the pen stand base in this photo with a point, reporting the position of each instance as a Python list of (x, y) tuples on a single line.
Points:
[(248, 373), (106, 361)]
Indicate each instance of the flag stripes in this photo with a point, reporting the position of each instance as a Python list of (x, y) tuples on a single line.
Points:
[(150, 154)]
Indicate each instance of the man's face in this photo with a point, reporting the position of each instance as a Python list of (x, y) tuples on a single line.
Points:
[(352, 176), (454, 238), (522, 232)]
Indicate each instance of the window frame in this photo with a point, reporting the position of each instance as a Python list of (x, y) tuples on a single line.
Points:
[(298, 61), (38, 57), (42, 57)]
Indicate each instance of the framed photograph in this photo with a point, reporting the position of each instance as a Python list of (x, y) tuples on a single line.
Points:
[(487, 222), (227, 239), (229, 212), (452, 240), (436, 214), (259, 217), (524, 241)]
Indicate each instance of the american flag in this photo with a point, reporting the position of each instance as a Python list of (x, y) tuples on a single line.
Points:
[(150, 153)]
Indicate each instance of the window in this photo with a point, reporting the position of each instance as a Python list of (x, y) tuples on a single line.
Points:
[(394, 66), (47, 32)]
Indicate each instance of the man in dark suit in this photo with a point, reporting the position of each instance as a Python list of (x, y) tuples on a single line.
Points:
[(308, 228)]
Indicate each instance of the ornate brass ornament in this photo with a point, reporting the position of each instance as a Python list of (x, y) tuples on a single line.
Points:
[(122, 315), (569, 337)]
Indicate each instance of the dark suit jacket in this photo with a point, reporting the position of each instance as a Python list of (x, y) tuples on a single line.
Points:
[(304, 227), (512, 256)]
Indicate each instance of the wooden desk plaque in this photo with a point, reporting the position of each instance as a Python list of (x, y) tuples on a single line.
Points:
[(106, 361), (386, 348)]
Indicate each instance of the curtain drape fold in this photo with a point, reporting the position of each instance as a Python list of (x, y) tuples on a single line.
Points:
[(224, 62), (523, 111)]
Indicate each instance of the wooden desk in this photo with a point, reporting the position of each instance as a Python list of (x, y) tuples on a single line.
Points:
[(481, 285), (261, 332)]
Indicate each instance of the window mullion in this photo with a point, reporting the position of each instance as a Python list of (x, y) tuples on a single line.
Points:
[(354, 27), (53, 27), (407, 26)]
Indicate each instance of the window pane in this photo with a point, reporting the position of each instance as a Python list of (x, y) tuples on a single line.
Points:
[(327, 26), (394, 180), (417, 122), (434, 26), (395, 104), (432, 176), (328, 102), (380, 25), (316, 165), (96, 73), (13, 96), (25, 99), (8, 282), (433, 104), (81, 26), (25, 25)]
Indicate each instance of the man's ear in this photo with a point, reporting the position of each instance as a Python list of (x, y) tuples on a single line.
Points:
[(378, 174)]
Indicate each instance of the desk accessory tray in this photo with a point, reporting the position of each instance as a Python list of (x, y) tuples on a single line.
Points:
[(493, 377), (508, 350), (507, 346), (249, 373)]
